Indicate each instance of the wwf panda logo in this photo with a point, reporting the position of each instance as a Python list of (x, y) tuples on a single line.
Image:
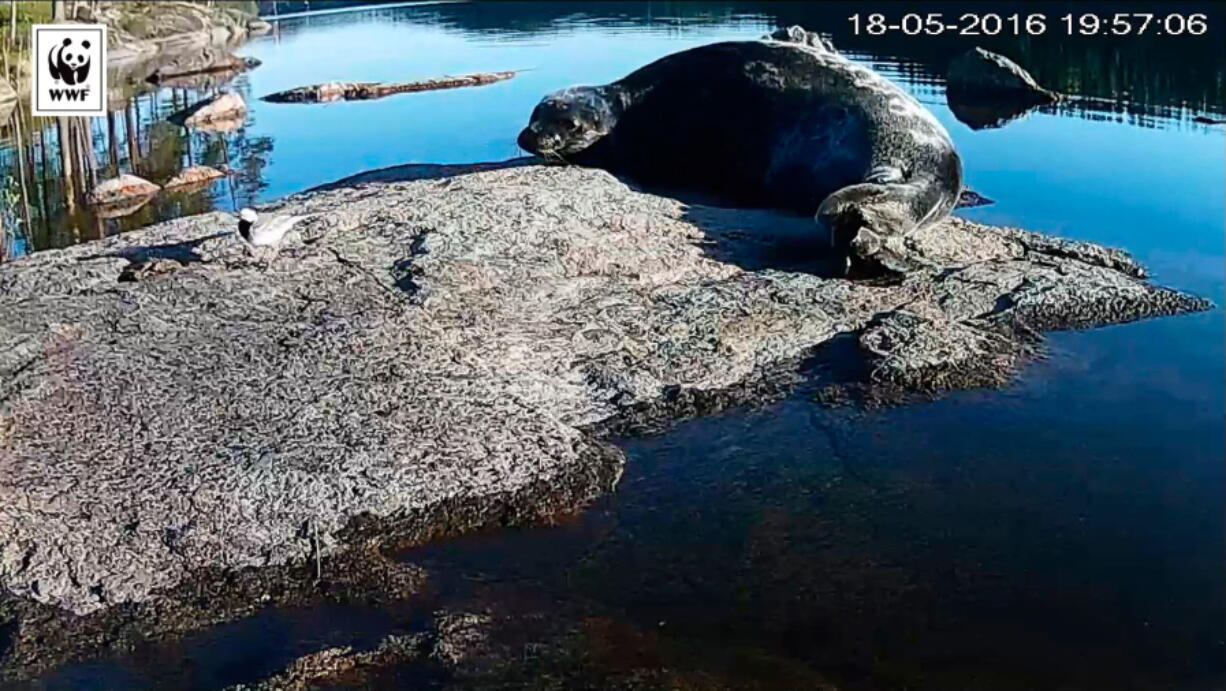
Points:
[(69, 64)]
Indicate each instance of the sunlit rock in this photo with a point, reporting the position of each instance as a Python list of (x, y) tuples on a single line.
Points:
[(443, 353), (125, 188)]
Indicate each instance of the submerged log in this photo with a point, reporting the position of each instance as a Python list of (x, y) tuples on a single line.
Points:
[(364, 91)]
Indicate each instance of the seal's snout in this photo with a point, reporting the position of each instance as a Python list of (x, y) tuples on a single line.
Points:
[(535, 142), (527, 141)]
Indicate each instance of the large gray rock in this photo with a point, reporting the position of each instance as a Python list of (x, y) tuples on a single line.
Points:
[(982, 72), (440, 343)]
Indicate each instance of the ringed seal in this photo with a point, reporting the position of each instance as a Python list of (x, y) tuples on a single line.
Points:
[(784, 122)]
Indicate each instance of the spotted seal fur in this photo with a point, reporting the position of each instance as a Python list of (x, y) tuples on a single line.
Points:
[(782, 122)]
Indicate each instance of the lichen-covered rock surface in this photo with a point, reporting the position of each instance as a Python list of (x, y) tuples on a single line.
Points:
[(450, 341)]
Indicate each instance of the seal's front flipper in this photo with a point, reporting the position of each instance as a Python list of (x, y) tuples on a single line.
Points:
[(867, 222)]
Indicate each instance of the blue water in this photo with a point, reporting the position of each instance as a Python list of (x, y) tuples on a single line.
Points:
[(1065, 532)]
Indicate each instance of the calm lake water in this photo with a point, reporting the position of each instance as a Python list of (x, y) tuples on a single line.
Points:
[(1067, 532)]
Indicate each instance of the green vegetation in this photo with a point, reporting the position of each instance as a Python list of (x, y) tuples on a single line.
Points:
[(15, 21), (28, 12)]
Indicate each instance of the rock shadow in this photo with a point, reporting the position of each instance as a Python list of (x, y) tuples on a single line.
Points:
[(757, 239), (146, 259)]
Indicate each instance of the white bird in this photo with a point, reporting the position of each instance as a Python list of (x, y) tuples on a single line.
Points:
[(265, 232)]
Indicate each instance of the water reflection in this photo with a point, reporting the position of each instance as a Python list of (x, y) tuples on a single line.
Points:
[(61, 160)]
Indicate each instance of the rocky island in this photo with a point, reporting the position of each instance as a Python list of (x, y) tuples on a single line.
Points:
[(441, 348)]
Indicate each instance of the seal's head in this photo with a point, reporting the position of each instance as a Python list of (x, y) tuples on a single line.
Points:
[(567, 122)]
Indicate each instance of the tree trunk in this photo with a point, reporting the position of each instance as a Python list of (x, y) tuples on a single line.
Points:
[(42, 179), (133, 146), (112, 144), (57, 10), (63, 135)]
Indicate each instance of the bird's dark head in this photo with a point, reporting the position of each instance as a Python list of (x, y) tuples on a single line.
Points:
[(246, 219), (567, 122)]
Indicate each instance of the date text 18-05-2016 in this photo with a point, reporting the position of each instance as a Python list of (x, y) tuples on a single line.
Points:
[(1033, 24)]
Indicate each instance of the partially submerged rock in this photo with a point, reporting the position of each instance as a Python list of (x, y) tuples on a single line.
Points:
[(124, 189), (983, 72), (447, 343), (342, 663), (223, 112), (193, 177), (364, 91), (453, 638), (203, 61)]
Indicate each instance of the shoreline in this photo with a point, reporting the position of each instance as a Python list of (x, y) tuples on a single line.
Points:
[(358, 8)]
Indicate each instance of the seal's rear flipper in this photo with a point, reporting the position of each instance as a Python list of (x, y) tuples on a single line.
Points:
[(970, 199), (867, 222)]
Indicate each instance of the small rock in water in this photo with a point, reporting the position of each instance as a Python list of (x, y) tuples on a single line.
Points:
[(194, 176), (222, 112), (122, 189), (985, 72)]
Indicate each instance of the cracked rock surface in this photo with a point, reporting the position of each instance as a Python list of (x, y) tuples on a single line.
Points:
[(442, 341)]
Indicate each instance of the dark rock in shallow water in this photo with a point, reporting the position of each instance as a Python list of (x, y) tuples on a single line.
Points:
[(986, 74), (433, 355)]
